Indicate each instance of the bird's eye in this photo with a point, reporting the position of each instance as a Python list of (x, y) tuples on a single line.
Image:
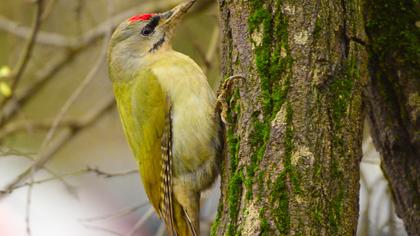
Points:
[(147, 30)]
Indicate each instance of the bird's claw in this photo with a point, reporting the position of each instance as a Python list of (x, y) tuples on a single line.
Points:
[(226, 87)]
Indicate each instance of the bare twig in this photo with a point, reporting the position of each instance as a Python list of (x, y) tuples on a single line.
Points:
[(104, 174), (26, 53), (117, 214), (19, 126), (47, 38), (56, 145), (141, 221), (11, 152), (208, 56), (76, 94), (28, 209), (41, 79), (15, 153), (64, 137), (87, 170), (211, 51), (48, 9)]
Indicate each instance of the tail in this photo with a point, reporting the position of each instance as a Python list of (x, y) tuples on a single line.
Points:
[(187, 213)]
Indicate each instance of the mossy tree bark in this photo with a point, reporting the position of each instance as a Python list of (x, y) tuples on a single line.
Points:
[(393, 99), (295, 121)]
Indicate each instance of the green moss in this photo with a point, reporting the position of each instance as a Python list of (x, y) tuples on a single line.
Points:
[(258, 140), (233, 142), (317, 215), (231, 230), (335, 211), (235, 182), (318, 28), (341, 90), (260, 182), (273, 63), (280, 196), (232, 139), (288, 145), (234, 193), (264, 225), (340, 100)]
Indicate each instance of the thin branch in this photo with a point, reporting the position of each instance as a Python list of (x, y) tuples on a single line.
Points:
[(41, 79), (46, 38), (28, 209), (77, 92), (141, 222), (214, 42), (27, 51), (13, 153), (104, 174), (87, 170), (208, 57), (48, 10), (117, 214), (56, 145), (20, 126)]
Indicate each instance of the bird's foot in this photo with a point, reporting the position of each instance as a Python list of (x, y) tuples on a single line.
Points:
[(225, 91)]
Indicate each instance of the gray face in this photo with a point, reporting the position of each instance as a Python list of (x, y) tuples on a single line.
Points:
[(139, 37)]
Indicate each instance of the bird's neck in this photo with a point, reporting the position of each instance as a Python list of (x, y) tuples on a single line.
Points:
[(127, 63)]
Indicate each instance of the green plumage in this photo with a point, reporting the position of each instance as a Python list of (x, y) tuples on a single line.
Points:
[(142, 107), (143, 103), (167, 110)]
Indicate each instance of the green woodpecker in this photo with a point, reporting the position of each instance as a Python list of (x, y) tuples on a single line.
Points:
[(168, 114)]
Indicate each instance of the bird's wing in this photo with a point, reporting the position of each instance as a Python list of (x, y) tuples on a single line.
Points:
[(144, 115), (152, 111), (166, 205)]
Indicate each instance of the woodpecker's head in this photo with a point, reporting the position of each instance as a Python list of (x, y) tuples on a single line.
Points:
[(146, 33)]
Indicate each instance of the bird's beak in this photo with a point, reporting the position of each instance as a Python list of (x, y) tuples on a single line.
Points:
[(172, 17)]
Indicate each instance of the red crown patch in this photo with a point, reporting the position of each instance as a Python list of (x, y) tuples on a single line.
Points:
[(142, 17)]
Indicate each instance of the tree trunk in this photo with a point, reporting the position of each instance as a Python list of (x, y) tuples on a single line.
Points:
[(393, 100), (295, 122)]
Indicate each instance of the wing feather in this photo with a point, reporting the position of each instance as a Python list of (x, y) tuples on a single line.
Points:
[(166, 206)]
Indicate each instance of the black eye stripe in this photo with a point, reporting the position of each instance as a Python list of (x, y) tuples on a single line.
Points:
[(150, 27), (153, 22)]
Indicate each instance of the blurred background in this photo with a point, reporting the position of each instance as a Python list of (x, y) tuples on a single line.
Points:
[(61, 120)]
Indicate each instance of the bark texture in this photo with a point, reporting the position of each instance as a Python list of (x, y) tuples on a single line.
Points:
[(295, 123), (393, 99)]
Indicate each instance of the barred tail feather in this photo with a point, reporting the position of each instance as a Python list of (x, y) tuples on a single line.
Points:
[(166, 205)]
